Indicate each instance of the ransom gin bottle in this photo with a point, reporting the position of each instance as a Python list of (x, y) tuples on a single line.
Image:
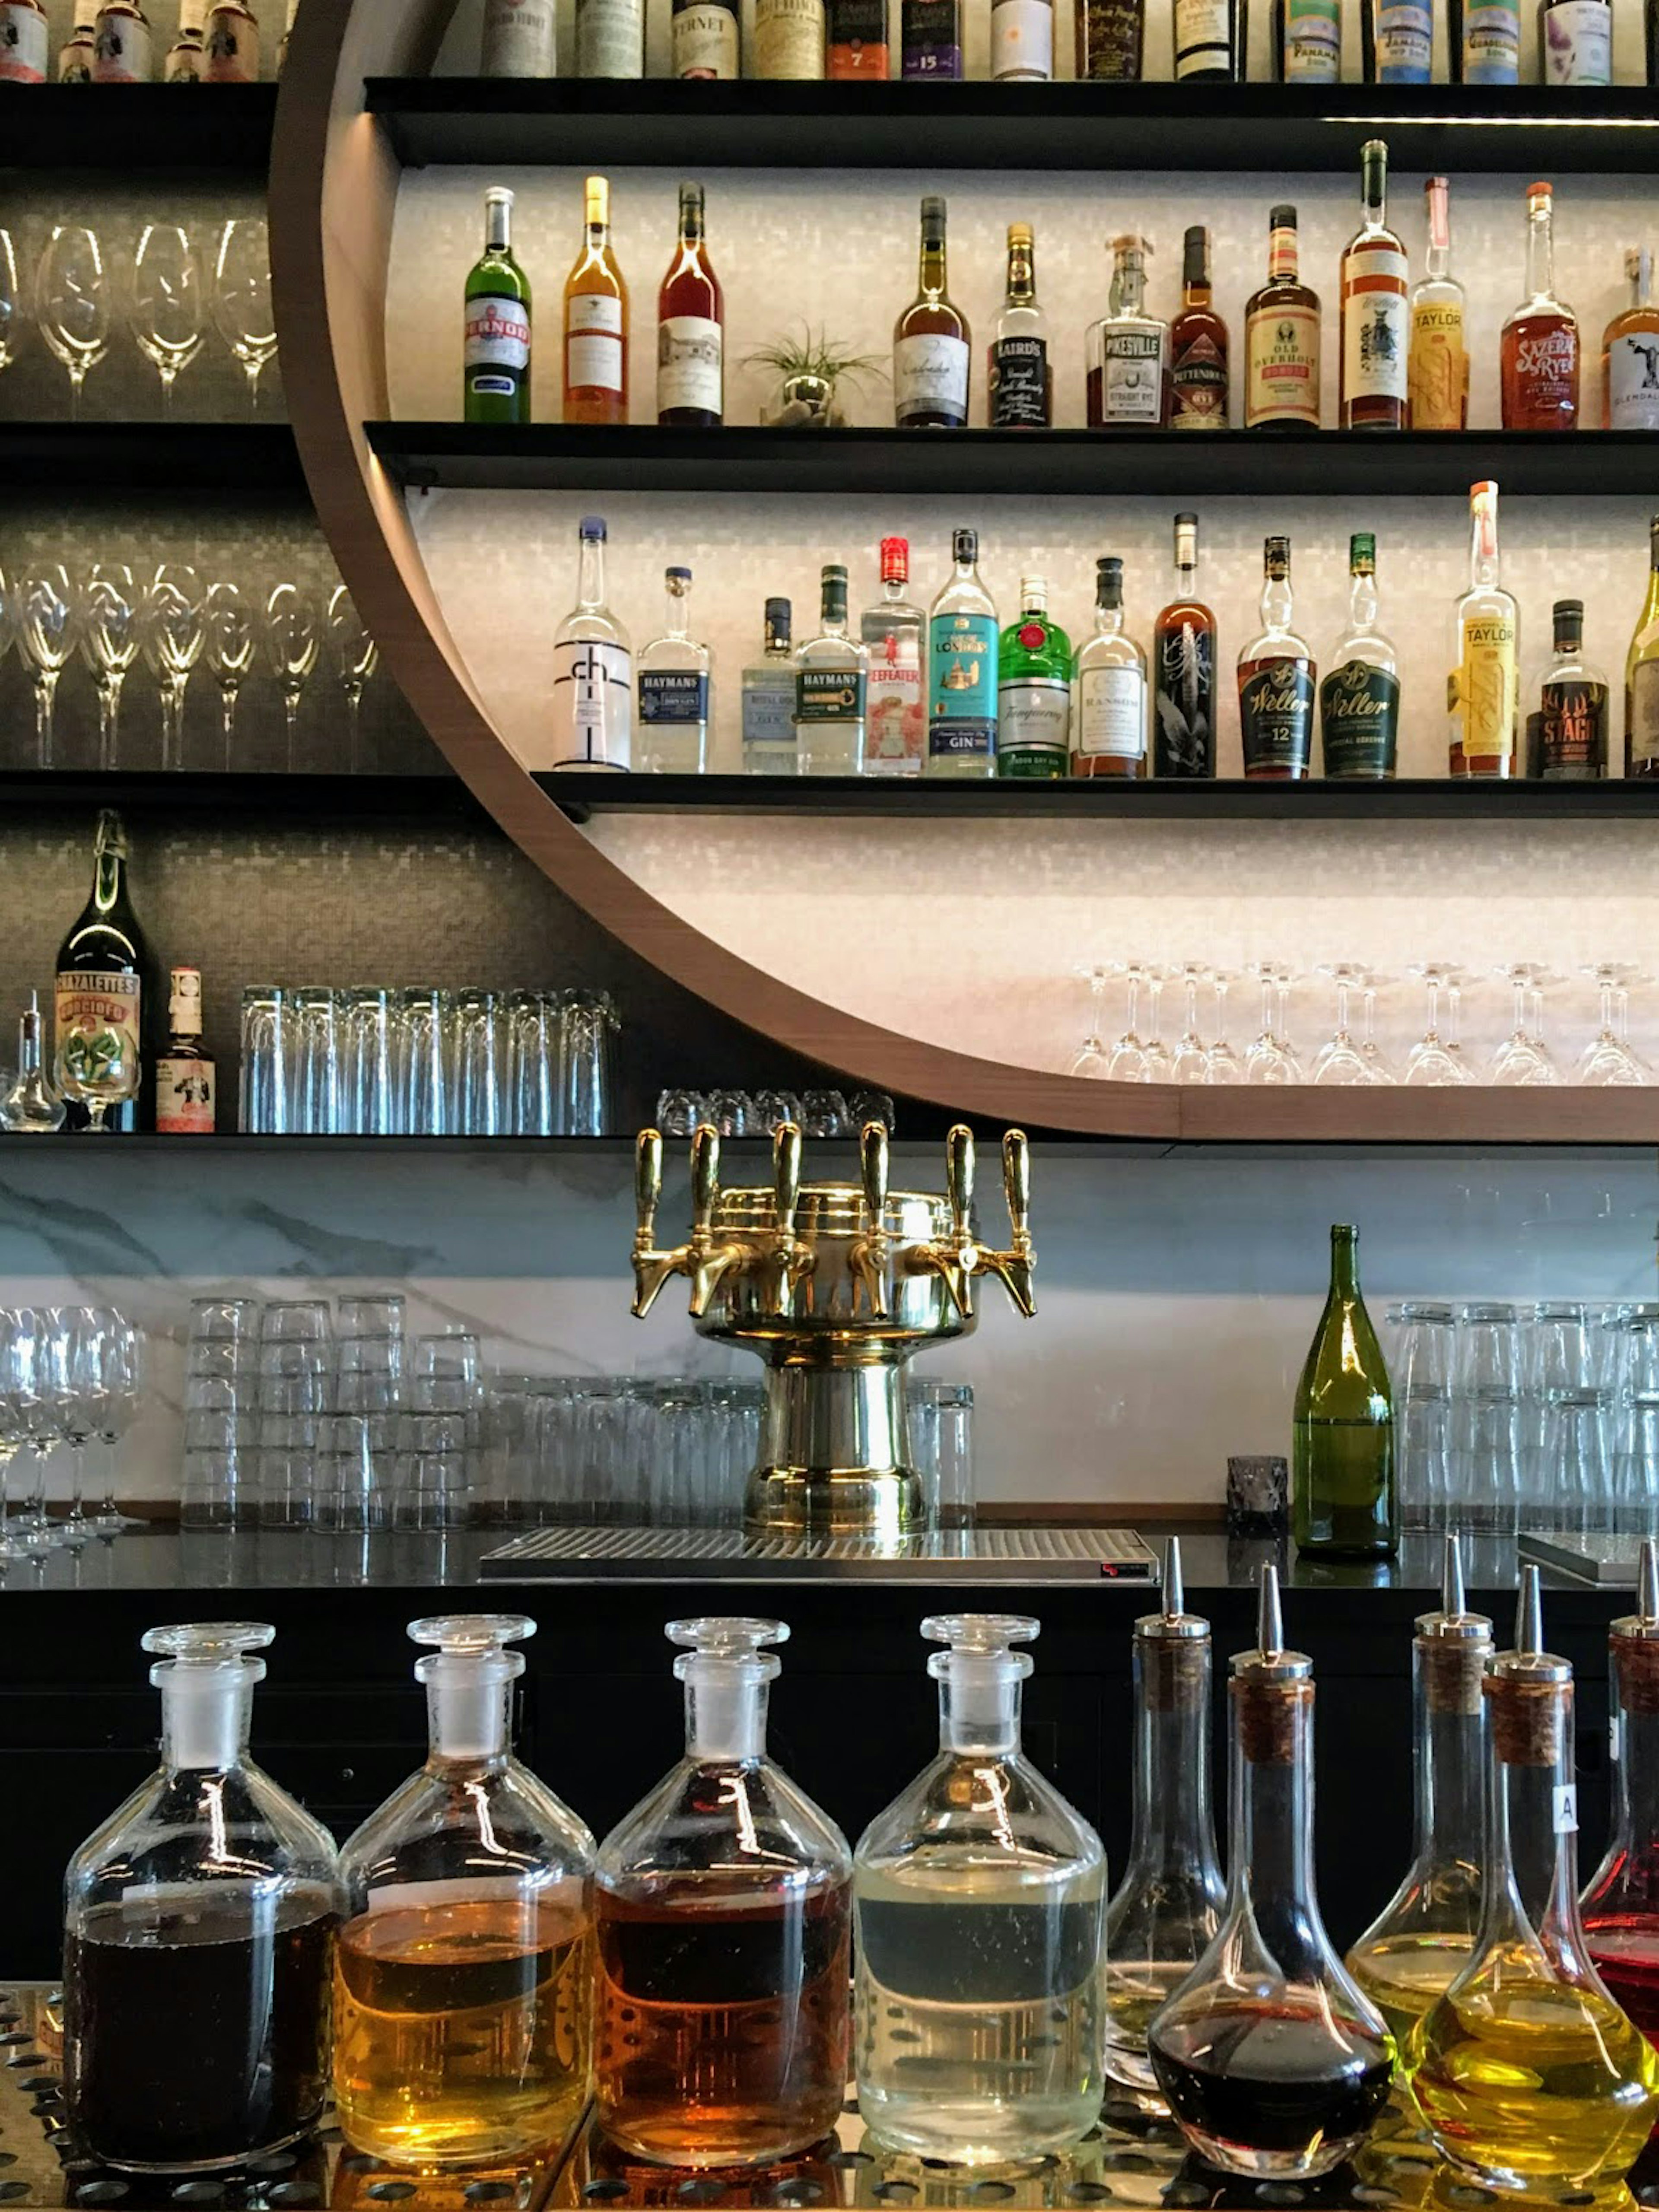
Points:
[(1620, 1908), (1344, 1500)]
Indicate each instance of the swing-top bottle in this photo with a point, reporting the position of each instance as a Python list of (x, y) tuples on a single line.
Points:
[(1620, 1908)]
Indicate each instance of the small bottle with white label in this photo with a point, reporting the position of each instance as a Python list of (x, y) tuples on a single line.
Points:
[(1108, 713), (931, 342), (674, 689), (691, 332), (789, 40), (122, 49), (1022, 41), (1574, 41), (518, 39), (1484, 37), (187, 55), (76, 55), (592, 673), (230, 42), (184, 1072), (1630, 353), (25, 42), (495, 346), (768, 699), (1306, 46)]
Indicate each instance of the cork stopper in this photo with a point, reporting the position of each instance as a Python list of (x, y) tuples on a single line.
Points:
[(1453, 1645), (1528, 1690), (1634, 1640), (1173, 1646), (1271, 1688)]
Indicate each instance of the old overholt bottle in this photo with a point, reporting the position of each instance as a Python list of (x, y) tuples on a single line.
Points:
[(1343, 1499)]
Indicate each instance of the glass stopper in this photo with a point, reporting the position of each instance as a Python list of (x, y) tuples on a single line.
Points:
[(208, 1642)]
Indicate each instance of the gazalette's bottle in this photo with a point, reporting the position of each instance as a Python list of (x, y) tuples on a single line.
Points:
[(962, 655), (495, 356), (1483, 690), (100, 1019), (1344, 1500), (592, 721)]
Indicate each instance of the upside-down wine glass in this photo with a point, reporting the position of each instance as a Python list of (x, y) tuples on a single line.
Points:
[(1430, 1060), (1523, 1059), (1222, 1064), (1270, 1059), (291, 641), (1091, 1059), (230, 638), (1191, 1062), (165, 308), (116, 1409), (46, 638), (173, 636), (1608, 1060), (1158, 1052), (242, 298), (1341, 1060), (1127, 1062), (72, 304), (109, 644), (1378, 1068), (355, 655)]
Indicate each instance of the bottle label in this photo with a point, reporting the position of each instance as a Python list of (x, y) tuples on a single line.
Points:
[(705, 40), (769, 713), (611, 37), (1614, 1736), (1563, 1806), (593, 705), (1633, 381), (1021, 40), (519, 38), (184, 1098), (23, 48), (230, 50), (592, 341), (930, 376), (1405, 43), (1546, 368), (1132, 382), (1374, 324), (789, 39), (896, 734), (1577, 42), (1111, 713), (97, 1019), (930, 39), (1283, 344), (963, 716), (1313, 42), (1572, 732), (1183, 737), (497, 335), (1438, 378), (1034, 718), (75, 64), (690, 350), (1491, 44), (184, 65), (1486, 687), (829, 694), (1359, 720), (121, 51), (1203, 37), (1275, 707), (674, 694), (858, 39), (1198, 386), (1019, 383), (1644, 711)]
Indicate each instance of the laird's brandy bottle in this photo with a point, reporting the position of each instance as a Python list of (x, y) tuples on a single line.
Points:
[(1539, 348), (1277, 680)]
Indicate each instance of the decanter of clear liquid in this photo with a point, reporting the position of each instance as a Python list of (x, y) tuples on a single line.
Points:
[(461, 1979), (1527, 2074), (198, 1926), (980, 1898), (1425, 1936), (1167, 1909), (724, 1921), (31, 1107), (1274, 2063), (1620, 1908)]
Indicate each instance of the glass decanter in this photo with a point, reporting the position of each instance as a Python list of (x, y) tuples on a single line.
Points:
[(32, 1107), (1167, 1909), (1274, 2063), (1526, 2073), (461, 1979), (196, 1930), (724, 1920), (1620, 1908), (979, 1896), (1425, 1935)]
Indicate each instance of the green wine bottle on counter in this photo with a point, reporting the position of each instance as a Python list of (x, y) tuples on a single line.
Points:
[(1344, 1501)]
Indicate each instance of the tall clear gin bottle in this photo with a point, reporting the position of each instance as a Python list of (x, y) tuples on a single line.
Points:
[(593, 720), (895, 722), (830, 681), (769, 698), (674, 688)]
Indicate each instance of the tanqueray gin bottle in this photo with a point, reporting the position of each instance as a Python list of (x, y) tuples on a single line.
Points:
[(198, 1925), (979, 1896)]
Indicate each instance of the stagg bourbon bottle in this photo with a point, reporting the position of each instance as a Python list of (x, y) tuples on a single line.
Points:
[(1540, 348)]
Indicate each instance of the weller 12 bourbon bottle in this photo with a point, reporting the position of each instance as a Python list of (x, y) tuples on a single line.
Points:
[(1276, 680)]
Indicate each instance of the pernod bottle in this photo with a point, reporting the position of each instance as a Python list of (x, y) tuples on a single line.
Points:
[(497, 372)]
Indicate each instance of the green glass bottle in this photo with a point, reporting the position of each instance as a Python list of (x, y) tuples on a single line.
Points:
[(1034, 689), (1344, 1502), (496, 377)]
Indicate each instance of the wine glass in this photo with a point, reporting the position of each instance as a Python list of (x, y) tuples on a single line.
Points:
[(33, 1419), (165, 307), (1221, 1063), (242, 298), (116, 1406), (1341, 1060), (1091, 1059), (291, 642), (14, 1435), (14, 307), (74, 1357), (172, 632), (355, 657), (1431, 1061), (109, 643), (1608, 1060), (230, 635), (72, 304), (46, 638), (1127, 1062), (1378, 1068), (1158, 1052), (1191, 1063), (1523, 1058), (1270, 1059)]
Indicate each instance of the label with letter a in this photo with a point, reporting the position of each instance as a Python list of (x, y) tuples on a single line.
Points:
[(1019, 383), (184, 1098), (1359, 720), (690, 350), (1405, 43), (705, 40), (1021, 40), (1644, 711), (1034, 715), (1283, 346), (1198, 386), (1633, 381), (897, 728), (674, 696), (1203, 37), (23, 54), (963, 717), (1111, 715), (789, 39), (497, 333), (1563, 1802), (1577, 37), (592, 341), (1487, 687)]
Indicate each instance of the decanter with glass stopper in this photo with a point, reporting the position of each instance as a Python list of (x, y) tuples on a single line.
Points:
[(1620, 1908)]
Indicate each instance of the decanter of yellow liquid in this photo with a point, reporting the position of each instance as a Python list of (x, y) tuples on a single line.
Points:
[(1620, 1908), (1527, 2074), (1425, 1936), (462, 2000), (1165, 1912)]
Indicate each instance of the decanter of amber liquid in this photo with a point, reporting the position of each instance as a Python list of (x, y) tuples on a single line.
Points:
[(461, 1979), (1274, 2063), (1527, 2074), (1165, 1912), (980, 1895), (724, 1921), (1425, 1935), (1620, 1908), (198, 1925)]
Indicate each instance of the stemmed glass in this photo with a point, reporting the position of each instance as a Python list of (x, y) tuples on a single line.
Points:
[(1092, 1060), (1158, 1052), (72, 304), (1191, 1063), (173, 636), (13, 305), (74, 1357), (116, 1406), (46, 638), (14, 1435), (1341, 1060), (230, 635), (1378, 1069), (28, 1385), (1432, 1060), (1222, 1064), (291, 641), (1523, 1058), (242, 298), (1127, 1061), (165, 309), (356, 656), (1270, 1059), (1608, 1060), (109, 643)]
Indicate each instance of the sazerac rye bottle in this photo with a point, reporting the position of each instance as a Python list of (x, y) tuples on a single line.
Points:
[(724, 1920), (1345, 1499), (1620, 1908), (980, 1895), (461, 1980), (198, 1926)]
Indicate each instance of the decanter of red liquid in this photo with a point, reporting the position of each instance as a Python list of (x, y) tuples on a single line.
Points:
[(1619, 1909)]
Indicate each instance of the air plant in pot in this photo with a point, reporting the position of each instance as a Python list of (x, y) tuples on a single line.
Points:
[(810, 369)]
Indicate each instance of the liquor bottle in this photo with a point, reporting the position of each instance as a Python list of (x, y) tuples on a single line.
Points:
[(1208, 49), (704, 39), (518, 39), (855, 36), (1642, 678), (1621, 1907), (496, 352), (25, 42), (1630, 353), (979, 1895), (1485, 40), (596, 320), (1276, 680), (1437, 370), (830, 682), (31, 1106), (210, 1900), (1020, 380), (461, 1978), (1281, 339), (611, 37), (1184, 670), (930, 39), (932, 348), (1128, 350), (1022, 41), (1374, 285), (690, 315), (789, 39), (1540, 342), (768, 699), (1360, 698), (1396, 41), (1197, 345), (186, 58), (1529, 2006), (1109, 736), (1034, 689), (99, 1014), (1484, 691), (1344, 1501), (184, 1072), (896, 728), (1571, 744), (1307, 42), (1574, 41), (1109, 36), (122, 51), (674, 688), (1165, 1913), (963, 644), (230, 44), (723, 1915), (592, 723), (80, 49)]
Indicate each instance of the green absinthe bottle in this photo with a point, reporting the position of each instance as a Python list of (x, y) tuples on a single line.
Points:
[(495, 378), (1344, 1498)]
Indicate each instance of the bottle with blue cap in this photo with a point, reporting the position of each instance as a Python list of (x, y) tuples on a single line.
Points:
[(592, 707)]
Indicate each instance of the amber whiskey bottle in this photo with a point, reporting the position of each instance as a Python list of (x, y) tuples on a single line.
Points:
[(1642, 678), (931, 342), (1372, 366), (1277, 679), (596, 320), (1197, 345), (1183, 669), (1538, 353), (1281, 339)]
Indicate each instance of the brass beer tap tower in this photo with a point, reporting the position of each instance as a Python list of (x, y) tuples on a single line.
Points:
[(835, 1286)]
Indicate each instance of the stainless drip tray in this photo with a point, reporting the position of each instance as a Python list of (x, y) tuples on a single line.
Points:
[(968, 1555), (1610, 1561)]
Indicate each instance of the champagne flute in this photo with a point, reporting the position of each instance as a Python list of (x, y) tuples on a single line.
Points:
[(165, 309), (72, 304), (14, 308), (1341, 1060), (291, 642), (1191, 1063), (46, 638), (1091, 1054), (242, 298), (355, 658), (173, 636), (227, 621), (109, 643)]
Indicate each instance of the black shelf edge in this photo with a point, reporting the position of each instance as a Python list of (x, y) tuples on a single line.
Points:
[(317, 801), (145, 127), (189, 462), (1080, 464), (1272, 128)]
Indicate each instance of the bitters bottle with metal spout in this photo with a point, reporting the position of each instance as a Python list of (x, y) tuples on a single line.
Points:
[(461, 1989), (197, 1924), (980, 1898), (1274, 2063), (724, 1922), (1167, 1909), (1620, 1908)]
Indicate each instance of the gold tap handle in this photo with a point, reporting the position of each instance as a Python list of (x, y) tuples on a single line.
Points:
[(1016, 1185), (648, 1185), (705, 1179), (873, 1165), (959, 1180), (786, 1176)]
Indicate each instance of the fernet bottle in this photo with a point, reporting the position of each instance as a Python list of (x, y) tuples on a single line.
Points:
[(197, 1924), (461, 1982), (1620, 1908), (979, 1896), (724, 1921)]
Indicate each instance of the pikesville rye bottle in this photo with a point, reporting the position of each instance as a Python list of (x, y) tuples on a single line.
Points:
[(495, 372)]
